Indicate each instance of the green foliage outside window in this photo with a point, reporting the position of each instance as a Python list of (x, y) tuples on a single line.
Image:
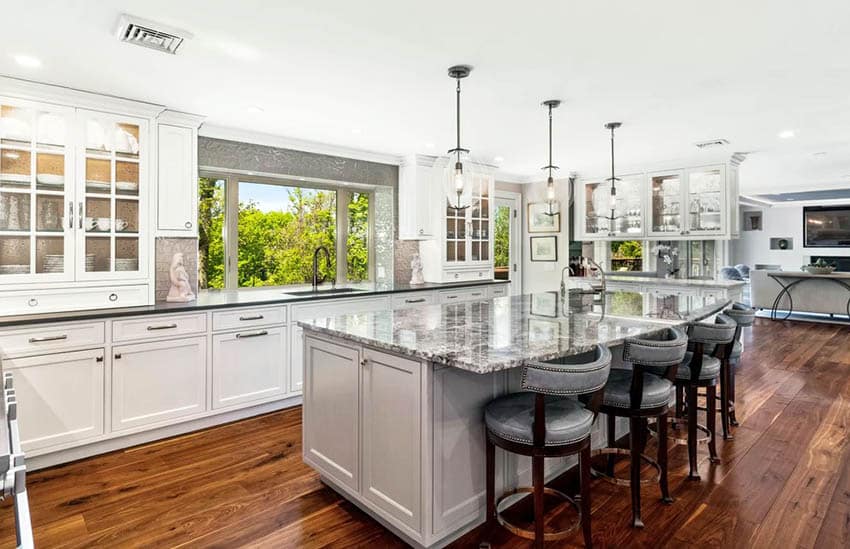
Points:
[(210, 227), (626, 255), (502, 237)]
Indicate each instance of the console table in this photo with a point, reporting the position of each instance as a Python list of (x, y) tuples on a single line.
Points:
[(790, 279)]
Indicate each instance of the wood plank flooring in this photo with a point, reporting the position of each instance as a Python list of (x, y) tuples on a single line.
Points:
[(784, 480)]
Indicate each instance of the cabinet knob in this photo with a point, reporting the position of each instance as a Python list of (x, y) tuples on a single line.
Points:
[(421, 231), (188, 224), (364, 362), (32, 302), (117, 355), (113, 297)]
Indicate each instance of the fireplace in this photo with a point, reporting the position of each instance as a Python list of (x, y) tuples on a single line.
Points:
[(842, 262)]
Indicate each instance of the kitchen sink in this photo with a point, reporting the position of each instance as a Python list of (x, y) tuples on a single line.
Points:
[(325, 291)]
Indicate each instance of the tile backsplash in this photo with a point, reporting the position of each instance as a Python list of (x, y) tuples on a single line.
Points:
[(165, 250)]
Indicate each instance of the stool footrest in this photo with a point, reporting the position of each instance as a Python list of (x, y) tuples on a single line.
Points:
[(621, 481), (529, 534), (677, 423)]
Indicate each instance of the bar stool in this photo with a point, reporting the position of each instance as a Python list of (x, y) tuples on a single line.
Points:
[(547, 422), (744, 316), (640, 393), (702, 370)]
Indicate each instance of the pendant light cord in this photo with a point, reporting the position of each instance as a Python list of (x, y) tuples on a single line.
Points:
[(458, 119), (550, 141)]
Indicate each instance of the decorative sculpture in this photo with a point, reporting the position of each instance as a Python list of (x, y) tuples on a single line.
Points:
[(181, 289), (416, 271)]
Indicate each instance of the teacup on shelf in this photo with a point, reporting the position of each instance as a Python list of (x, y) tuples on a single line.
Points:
[(103, 223), (90, 223), (120, 224)]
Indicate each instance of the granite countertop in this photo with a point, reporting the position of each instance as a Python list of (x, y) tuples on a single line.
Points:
[(693, 282), (501, 333), (221, 299)]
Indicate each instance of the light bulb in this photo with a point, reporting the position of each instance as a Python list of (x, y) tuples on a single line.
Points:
[(459, 179), (613, 201), (550, 192)]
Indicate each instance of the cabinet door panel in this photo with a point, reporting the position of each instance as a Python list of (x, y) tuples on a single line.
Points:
[(331, 410), (296, 360), (392, 436), (153, 382), (248, 366), (177, 182), (60, 397)]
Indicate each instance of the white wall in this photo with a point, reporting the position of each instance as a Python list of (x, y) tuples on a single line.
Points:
[(777, 222), (544, 276)]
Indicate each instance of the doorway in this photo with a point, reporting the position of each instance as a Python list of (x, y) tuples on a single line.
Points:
[(507, 263)]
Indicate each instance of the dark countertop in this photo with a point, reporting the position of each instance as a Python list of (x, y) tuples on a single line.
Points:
[(222, 299), (496, 334)]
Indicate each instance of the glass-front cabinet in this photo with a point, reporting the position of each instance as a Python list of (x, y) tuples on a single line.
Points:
[(468, 230), (36, 192), (665, 203), (704, 199), (627, 203), (687, 202), (71, 188)]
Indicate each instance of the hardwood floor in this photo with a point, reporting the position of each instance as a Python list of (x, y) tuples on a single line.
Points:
[(784, 480)]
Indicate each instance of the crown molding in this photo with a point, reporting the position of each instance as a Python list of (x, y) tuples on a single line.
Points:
[(178, 118), (271, 140), (62, 95)]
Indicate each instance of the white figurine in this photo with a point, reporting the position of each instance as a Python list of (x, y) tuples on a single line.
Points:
[(416, 271), (181, 290)]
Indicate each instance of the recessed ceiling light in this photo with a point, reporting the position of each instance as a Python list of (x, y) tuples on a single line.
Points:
[(27, 61), (498, 159), (429, 145), (786, 134), (255, 109), (819, 154)]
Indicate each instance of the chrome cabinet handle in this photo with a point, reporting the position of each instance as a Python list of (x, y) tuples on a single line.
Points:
[(255, 317), (451, 297), (420, 300), (80, 215), (70, 214), (48, 338), (162, 327), (476, 294), (188, 224), (252, 334)]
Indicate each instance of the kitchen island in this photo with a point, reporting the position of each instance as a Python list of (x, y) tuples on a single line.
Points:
[(394, 400)]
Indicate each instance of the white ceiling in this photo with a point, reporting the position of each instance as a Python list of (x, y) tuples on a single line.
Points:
[(372, 75)]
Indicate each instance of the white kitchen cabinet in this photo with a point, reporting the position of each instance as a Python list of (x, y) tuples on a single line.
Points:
[(416, 210), (248, 366), (158, 381), (307, 311), (629, 208), (391, 435), (177, 174), (60, 397), (332, 411)]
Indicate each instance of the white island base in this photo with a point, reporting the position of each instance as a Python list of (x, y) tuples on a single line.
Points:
[(403, 438)]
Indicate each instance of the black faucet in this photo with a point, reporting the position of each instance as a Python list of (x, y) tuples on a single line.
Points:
[(316, 280)]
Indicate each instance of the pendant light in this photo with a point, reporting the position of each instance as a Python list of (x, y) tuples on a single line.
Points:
[(457, 72), (550, 182), (611, 126)]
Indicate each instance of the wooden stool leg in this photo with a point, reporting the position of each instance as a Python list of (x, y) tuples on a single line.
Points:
[(724, 399), (537, 481), (692, 432), (679, 403), (662, 458), (491, 480), (634, 469), (584, 489), (710, 422), (612, 441), (642, 434), (733, 419)]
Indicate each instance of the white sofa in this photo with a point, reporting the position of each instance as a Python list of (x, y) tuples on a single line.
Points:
[(810, 296)]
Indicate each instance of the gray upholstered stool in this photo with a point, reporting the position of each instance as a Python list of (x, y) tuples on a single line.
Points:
[(744, 316), (547, 421), (640, 393), (701, 369)]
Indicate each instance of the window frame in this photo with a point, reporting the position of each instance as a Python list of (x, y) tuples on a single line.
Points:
[(343, 191)]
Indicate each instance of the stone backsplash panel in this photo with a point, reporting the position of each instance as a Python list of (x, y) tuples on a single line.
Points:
[(165, 250)]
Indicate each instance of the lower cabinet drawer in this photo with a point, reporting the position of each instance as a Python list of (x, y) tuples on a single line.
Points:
[(39, 339), (464, 294), (72, 299), (156, 327), (237, 319), (467, 275), (248, 365), (158, 381), (413, 299), (60, 398), (499, 290)]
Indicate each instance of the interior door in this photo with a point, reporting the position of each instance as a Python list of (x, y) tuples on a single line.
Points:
[(506, 241)]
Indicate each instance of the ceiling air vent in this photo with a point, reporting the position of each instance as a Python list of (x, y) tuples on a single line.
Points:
[(711, 143), (156, 36)]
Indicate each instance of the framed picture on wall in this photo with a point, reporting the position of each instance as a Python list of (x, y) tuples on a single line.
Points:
[(544, 248), (539, 220)]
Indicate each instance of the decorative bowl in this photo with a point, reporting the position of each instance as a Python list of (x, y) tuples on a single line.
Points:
[(819, 270)]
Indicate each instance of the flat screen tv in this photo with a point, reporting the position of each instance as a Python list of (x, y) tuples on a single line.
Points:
[(826, 226)]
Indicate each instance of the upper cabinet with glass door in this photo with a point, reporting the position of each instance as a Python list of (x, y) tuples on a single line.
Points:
[(705, 200), (627, 205), (36, 192), (665, 203), (111, 182)]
